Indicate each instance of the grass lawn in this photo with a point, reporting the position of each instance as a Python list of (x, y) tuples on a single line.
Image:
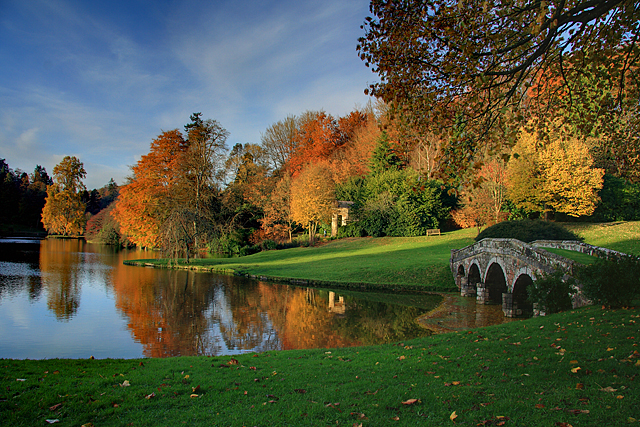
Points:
[(578, 368), (573, 255), (399, 262), (619, 236)]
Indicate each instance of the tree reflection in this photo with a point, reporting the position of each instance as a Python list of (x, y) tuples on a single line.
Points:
[(59, 267)]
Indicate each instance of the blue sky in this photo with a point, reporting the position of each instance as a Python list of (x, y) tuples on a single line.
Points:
[(100, 79)]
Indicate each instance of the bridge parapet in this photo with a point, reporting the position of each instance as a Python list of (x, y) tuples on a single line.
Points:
[(534, 256), (575, 245)]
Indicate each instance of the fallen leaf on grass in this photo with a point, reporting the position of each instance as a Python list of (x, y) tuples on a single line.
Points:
[(300, 390), (579, 386), (578, 411), (562, 424), (233, 362), (453, 416), (396, 418), (195, 389), (55, 407), (410, 401), (194, 395), (125, 384), (576, 369), (150, 396), (539, 406), (87, 425), (609, 389), (52, 421)]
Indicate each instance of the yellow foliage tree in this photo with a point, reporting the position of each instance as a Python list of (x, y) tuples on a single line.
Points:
[(553, 172), (312, 197), (63, 212)]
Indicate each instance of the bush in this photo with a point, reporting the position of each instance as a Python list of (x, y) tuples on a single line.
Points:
[(552, 293), (527, 231), (612, 283), (620, 201), (351, 230)]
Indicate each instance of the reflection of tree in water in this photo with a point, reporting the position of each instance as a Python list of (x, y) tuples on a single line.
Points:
[(60, 275), (241, 317), (185, 313), (19, 268), (165, 310), (375, 322)]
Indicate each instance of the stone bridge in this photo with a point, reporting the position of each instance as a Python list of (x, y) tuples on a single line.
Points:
[(499, 270)]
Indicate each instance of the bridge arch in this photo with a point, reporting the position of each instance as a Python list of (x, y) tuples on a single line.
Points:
[(495, 282), (474, 274), (521, 295)]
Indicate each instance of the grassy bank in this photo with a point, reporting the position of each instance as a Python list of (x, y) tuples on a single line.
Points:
[(392, 262), (577, 368)]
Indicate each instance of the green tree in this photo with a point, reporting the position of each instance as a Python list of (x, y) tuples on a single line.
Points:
[(63, 212), (383, 157), (399, 203)]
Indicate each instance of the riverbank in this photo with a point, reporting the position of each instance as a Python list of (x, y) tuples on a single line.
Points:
[(385, 264), (577, 368)]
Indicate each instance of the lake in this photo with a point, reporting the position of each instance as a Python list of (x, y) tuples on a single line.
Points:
[(64, 298)]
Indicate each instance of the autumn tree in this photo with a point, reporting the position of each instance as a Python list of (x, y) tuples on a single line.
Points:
[(553, 172), (312, 198), (277, 221), (203, 163), (280, 141), (63, 212), (150, 195), (482, 201), (441, 61)]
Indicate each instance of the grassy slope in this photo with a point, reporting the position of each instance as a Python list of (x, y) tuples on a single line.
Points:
[(620, 236), (412, 261)]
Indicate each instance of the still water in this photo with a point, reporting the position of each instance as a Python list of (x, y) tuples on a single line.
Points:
[(72, 299)]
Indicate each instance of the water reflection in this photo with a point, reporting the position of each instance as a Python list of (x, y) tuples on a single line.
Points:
[(68, 298)]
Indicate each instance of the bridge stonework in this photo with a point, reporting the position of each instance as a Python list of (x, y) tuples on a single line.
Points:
[(499, 271)]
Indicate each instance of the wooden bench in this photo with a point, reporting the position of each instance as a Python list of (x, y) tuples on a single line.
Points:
[(433, 232)]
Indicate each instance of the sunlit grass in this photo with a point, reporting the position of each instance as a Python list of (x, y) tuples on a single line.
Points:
[(410, 261), (619, 236)]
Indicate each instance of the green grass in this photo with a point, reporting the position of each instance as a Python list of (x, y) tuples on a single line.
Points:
[(579, 367), (619, 236), (573, 255), (398, 262)]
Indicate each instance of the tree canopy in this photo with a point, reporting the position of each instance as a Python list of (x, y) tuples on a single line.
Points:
[(63, 211), (469, 61)]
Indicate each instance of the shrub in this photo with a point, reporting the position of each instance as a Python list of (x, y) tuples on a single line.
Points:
[(552, 293), (612, 283), (527, 231)]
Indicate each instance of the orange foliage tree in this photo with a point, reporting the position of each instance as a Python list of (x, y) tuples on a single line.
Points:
[(146, 201), (312, 197)]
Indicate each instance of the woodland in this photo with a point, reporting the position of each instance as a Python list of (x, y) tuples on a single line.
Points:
[(483, 113)]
